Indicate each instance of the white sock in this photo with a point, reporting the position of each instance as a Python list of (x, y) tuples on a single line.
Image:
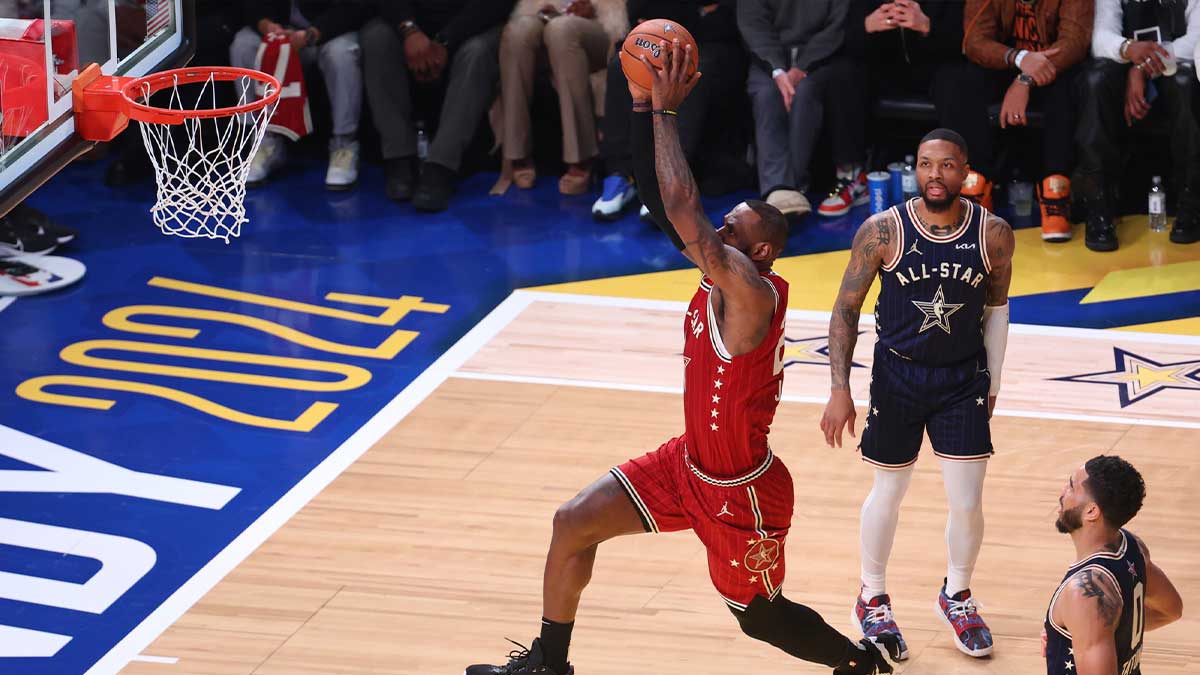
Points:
[(877, 529), (964, 526)]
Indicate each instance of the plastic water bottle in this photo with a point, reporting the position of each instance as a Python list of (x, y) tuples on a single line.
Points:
[(1158, 206), (422, 142), (908, 178)]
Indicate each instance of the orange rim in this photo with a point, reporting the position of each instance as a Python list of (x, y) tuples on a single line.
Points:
[(155, 82)]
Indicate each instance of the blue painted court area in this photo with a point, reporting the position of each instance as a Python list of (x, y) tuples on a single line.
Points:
[(185, 386)]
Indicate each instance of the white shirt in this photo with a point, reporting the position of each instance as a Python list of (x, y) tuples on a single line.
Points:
[(1107, 37)]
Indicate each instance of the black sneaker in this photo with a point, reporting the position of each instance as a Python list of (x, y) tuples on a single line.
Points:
[(520, 662), (16, 238), (398, 178), (1100, 232), (29, 218), (1187, 224), (435, 188)]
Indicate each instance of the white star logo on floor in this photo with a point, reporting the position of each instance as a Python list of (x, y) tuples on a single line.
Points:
[(1137, 377), (937, 312)]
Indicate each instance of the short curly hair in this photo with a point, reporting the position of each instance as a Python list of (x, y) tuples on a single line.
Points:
[(1116, 487)]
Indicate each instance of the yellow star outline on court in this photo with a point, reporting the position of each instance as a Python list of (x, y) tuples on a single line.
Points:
[(937, 312), (809, 351), (1137, 377)]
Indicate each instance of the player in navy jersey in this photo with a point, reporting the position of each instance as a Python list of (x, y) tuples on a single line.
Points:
[(944, 266), (1113, 594), (719, 478)]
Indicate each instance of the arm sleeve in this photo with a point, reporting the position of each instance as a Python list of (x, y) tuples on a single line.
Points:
[(995, 342), (1075, 18), (476, 17), (827, 40), (641, 132), (1184, 48), (980, 44), (754, 22), (1106, 31)]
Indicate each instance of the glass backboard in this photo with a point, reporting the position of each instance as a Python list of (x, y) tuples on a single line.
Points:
[(44, 45)]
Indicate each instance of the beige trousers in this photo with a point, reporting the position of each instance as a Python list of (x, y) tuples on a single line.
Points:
[(576, 47)]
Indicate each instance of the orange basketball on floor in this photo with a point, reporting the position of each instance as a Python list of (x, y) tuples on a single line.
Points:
[(645, 39)]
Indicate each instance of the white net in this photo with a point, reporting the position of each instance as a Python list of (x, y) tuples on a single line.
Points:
[(201, 165)]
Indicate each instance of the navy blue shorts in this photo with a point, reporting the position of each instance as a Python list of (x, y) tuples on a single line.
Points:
[(910, 398)]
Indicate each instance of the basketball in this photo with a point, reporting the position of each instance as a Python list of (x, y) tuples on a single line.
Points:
[(644, 40)]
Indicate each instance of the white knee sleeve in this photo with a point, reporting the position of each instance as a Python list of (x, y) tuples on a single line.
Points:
[(877, 530), (964, 526)]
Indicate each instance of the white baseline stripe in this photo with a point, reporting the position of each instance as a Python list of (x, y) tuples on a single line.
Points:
[(656, 389), (145, 658), (6, 301), (333, 465), (1108, 335)]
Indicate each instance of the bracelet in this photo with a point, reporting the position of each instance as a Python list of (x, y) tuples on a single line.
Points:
[(1008, 56), (664, 111), (1019, 57), (1124, 48), (641, 107)]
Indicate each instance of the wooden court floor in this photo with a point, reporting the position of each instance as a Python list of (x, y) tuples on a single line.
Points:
[(428, 552)]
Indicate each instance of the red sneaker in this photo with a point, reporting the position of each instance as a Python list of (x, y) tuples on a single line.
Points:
[(848, 193)]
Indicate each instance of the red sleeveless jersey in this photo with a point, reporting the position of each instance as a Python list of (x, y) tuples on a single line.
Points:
[(729, 402)]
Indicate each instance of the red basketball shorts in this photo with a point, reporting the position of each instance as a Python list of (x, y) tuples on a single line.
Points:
[(743, 521)]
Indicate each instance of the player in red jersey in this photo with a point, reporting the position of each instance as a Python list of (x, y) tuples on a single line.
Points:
[(720, 478)]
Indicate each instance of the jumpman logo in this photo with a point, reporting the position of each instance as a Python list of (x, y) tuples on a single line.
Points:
[(725, 510), (914, 249)]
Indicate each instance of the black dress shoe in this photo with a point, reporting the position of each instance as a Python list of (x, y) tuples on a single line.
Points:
[(398, 178), (1187, 228), (435, 189)]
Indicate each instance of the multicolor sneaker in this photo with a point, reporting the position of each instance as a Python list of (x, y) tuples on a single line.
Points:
[(978, 189), (1054, 193), (846, 194), (618, 194), (961, 614), (876, 619)]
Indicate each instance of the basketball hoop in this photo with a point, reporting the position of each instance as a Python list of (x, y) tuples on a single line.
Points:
[(201, 153)]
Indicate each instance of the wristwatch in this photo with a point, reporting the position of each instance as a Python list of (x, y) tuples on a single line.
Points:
[(1025, 80), (408, 27)]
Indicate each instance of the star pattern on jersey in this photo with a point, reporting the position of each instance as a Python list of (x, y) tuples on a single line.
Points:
[(720, 370), (716, 399), (979, 401), (1132, 569), (875, 411), (867, 423), (937, 311), (1069, 665), (733, 563), (717, 384), (813, 351), (1071, 652), (754, 580), (714, 427), (715, 413), (1137, 377)]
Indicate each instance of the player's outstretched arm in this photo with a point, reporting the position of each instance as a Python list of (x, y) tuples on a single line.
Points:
[(998, 237), (874, 239), (1163, 604), (1090, 608), (734, 273)]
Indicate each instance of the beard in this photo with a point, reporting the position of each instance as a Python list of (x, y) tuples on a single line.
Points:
[(1069, 520), (938, 205)]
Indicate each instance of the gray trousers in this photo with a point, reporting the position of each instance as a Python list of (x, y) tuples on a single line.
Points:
[(472, 75), (339, 62), (784, 140)]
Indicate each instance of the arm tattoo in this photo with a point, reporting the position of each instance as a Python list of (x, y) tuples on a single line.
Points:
[(1107, 605), (870, 245)]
